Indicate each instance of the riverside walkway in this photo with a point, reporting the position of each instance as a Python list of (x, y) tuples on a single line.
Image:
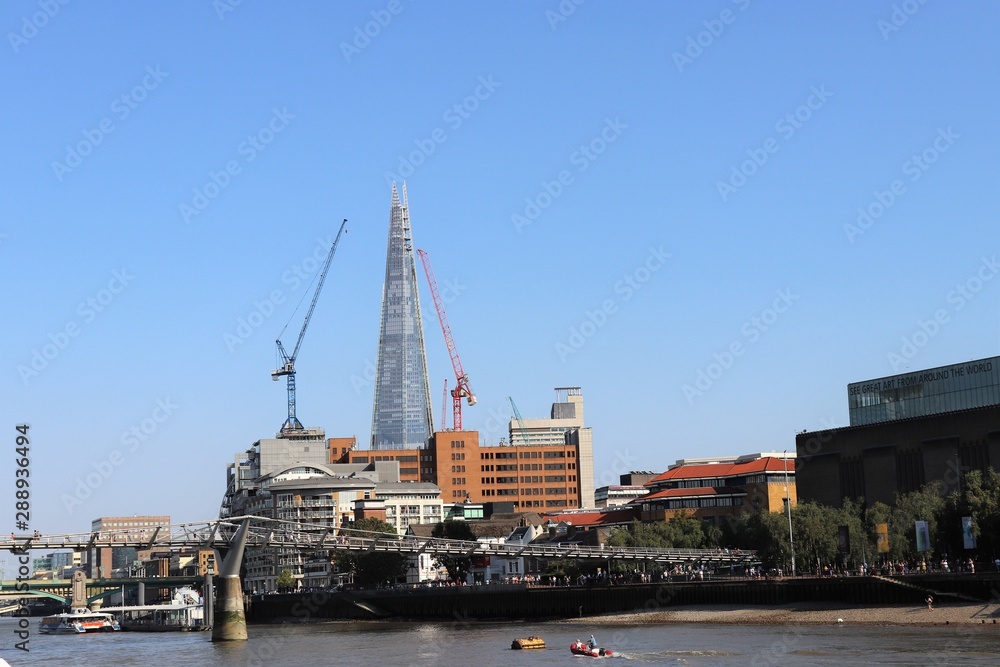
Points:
[(275, 533)]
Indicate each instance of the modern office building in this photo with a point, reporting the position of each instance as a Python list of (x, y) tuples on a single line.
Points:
[(974, 384), (713, 489), (553, 471), (293, 481), (266, 456), (617, 494), (564, 426), (906, 430), (401, 417), (103, 561), (55, 565)]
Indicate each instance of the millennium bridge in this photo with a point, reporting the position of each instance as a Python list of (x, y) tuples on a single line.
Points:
[(275, 533)]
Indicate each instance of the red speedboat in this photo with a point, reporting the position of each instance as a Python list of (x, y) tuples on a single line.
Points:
[(583, 648)]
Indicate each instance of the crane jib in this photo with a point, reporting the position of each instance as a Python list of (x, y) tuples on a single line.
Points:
[(287, 368)]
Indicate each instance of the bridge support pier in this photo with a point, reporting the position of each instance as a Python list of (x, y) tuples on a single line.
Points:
[(229, 621)]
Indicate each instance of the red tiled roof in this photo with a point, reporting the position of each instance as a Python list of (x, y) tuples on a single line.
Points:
[(688, 493), (706, 470), (593, 518)]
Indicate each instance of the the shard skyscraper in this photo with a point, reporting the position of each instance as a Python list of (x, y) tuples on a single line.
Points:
[(402, 414)]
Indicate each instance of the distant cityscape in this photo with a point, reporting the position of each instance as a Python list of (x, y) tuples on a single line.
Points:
[(538, 483)]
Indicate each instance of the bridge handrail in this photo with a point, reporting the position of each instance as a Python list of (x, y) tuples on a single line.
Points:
[(266, 532)]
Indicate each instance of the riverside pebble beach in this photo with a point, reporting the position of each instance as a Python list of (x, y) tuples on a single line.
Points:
[(817, 613)]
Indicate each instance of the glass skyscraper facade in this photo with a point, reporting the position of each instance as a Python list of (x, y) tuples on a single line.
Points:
[(973, 384), (402, 414)]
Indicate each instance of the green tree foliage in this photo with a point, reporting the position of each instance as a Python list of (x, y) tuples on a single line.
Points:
[(767, 534), (815, 528), (377, 567), (928, 505), (684, 531), (860, 533), (458, 567), (285, 580), (981, 496)]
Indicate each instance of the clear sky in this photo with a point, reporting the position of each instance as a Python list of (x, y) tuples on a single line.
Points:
[(710, 216)]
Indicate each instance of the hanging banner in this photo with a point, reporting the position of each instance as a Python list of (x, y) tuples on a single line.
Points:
[(923, 536), (967, 536), (882, 537), (843, 540)]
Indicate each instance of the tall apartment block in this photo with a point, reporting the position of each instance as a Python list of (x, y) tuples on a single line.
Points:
[(401, 417)]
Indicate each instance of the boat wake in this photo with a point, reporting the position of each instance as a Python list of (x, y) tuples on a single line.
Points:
[(680, 657)]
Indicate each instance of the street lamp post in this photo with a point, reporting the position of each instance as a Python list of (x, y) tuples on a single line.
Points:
[(788, 505)]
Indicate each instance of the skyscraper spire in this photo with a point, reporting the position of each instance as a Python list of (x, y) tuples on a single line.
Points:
[(402, 414)]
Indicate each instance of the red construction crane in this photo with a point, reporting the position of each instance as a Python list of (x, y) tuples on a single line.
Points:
[(462, 388)]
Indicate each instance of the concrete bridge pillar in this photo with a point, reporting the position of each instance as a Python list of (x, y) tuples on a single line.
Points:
[(78, 595), (229, 621)]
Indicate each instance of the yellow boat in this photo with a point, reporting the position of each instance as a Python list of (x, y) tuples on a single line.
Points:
[(528, 642)]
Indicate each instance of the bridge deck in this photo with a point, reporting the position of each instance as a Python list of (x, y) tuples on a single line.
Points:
[(283, 534)]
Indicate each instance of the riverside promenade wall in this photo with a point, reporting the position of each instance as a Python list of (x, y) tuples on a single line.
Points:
[(522, 601)]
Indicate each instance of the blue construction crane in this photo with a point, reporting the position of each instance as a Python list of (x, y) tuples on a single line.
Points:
[(287, 361)]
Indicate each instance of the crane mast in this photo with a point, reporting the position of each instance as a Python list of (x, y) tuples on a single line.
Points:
[(444, 405), (520, 423), (462, 388), (287, 361)]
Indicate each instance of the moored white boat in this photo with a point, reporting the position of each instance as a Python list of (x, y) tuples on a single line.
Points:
[(185, 612)]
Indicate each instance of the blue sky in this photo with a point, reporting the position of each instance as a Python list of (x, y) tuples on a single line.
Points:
[(658, 202)]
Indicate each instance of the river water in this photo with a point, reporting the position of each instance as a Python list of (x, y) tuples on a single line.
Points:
[(381, 644)]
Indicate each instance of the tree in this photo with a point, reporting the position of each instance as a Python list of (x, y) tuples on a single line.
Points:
[(923, 505), (767, 534), (457, 566), (815, 530), (376, 567), (862, 536), (981, 493), (683, 531), (285, 580)]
